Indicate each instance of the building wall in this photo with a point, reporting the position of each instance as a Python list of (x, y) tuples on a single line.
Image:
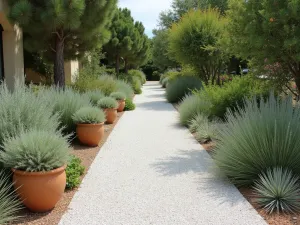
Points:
[(71, 70), (12, 49)]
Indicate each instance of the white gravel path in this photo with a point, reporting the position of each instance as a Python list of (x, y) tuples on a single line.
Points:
[(152, 171)]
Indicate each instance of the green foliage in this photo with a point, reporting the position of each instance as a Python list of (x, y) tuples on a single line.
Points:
[(232, 94), (55, 24), (73, 171), (66, 103), (9, 204), (89, 115), (190, 106), (165, 82), (278, 190), (139, 74), (94, 96), (196, 41), (23, 110), (258, 137), (124, 87), (129, 105), (118, 96), (108, 103), (182, 86), (199, 118), (251, 40), (35, 151), (207, 131), (134, 81)]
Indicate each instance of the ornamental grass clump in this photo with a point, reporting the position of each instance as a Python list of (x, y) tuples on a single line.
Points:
[(35, 151), (198, 119), (207, 131), (108, 103), (23, 110), (190, 106), (94, 96), (89, 115), (124, 87), (118, 96), (261, 135), (182, 86), (278, 190), (9, 204)]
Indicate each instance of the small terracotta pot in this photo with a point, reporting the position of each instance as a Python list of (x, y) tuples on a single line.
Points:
[(121, 105), (111, 115), (90, 134), (40, 191)]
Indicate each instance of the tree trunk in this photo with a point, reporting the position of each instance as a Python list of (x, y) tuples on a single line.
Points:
[(117, 65), (126, 66), (59, 70)]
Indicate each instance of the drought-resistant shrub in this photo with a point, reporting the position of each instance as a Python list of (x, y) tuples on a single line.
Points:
[(129, 105), (9, 204), (66, 103), (207, 131), (199, 118), (89, 115), (23, 110), (139, 74), (123, 86), (164, 82), (182, 86), (257, 137), (94, 96), (73, 172), (35, 151), (134, 81), (190, 106), (118, 96), (278, 190), (108, 103)]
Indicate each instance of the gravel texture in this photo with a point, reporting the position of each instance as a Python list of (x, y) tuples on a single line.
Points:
[(152, 171)]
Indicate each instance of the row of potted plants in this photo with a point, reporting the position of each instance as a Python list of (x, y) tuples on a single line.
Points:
[(39, 158)]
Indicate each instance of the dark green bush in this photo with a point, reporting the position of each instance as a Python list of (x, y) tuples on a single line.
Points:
[(73, 171), (258, 137), (278, 190), (129, 105), (182, 86)]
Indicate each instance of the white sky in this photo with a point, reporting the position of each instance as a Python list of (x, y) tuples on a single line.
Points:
[(146, 11)]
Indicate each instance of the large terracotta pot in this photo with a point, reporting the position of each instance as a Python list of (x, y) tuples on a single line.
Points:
[(121, 105), (90, 134), (111, 115), (40, 191)]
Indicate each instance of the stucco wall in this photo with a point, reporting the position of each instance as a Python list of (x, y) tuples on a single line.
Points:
[(71, 70)]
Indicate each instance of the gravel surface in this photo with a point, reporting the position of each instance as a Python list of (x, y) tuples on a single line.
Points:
[(152, 171)]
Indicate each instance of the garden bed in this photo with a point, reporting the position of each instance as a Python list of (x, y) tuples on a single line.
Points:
[(87, 155)]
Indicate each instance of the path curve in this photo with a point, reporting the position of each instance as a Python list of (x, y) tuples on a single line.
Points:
[(152, 171)]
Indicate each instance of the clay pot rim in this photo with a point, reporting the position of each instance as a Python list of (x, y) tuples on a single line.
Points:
[(110, 108), (43, 173), (90, 124), (121, 100)]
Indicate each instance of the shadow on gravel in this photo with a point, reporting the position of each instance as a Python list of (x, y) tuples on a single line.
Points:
[(155, 106)]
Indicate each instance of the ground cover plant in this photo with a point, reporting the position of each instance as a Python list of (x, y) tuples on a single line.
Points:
[(129, 105), (73, 171)]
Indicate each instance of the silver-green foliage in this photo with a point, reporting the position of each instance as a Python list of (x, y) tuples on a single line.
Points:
[(35, 151), (108, 103), (199, 118), (22, 110), (164, 82), (190, 106), (207, 131), (66, 103), (89, 115), (118, 95), (181, 86), (9, 204), (257, 137), (123, 86), (94, 96), (278, 190)]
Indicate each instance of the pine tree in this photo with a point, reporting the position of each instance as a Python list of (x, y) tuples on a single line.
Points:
[(62, 29)]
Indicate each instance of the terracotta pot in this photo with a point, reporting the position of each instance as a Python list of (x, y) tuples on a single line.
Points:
[(111, 115), (121, 105), (40, 191), (90, 134)]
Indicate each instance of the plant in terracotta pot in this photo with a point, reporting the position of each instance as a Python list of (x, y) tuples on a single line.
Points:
[(90, 125), (94, 96), (38, 160), (109, 106), (120, 97)]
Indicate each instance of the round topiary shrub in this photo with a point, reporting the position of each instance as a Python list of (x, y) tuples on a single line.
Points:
[(182, 86), (108, 103), (258, 137), (129, 105), (89, 115)]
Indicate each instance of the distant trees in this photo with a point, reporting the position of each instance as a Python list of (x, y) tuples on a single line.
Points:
[(128, 43), (63, 29)]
